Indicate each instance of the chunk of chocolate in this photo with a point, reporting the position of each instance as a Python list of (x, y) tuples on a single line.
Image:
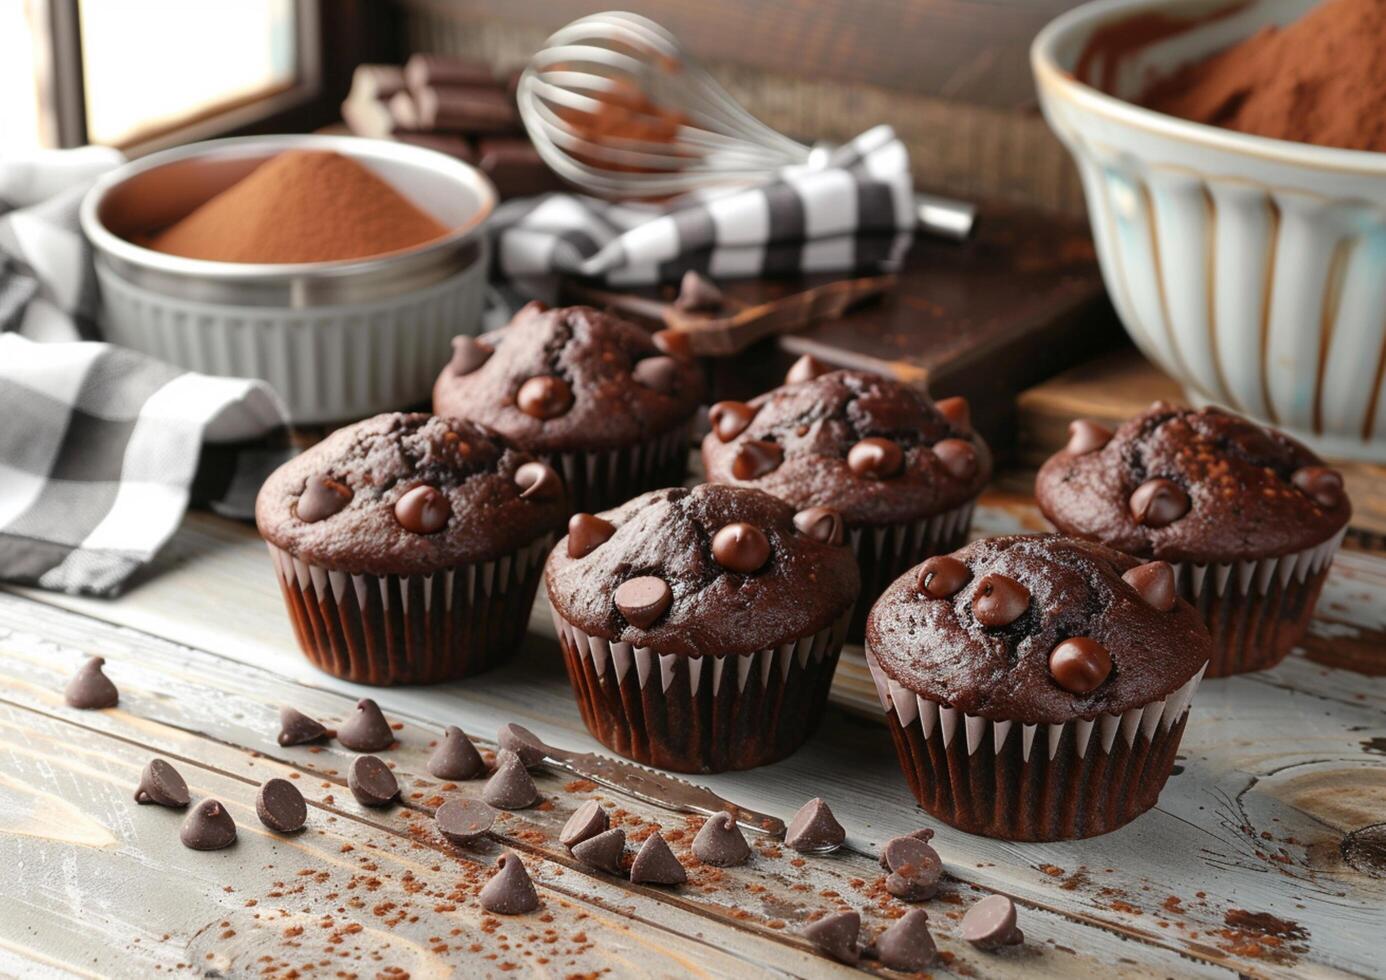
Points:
[(162, 784), (280, 806), (366, 730), (456, 757), (602, 851), (422, 70), (296, 728), (371, 781), (587, 822), (208, 827), (915, 869), (956, 410), (814, 829), (836, 935), (515, 167), (510, 890), (720, 842), (655, 864), (90, 688), (698, 294), (643, 600), (470, 108), (462, 821), (510, 786)]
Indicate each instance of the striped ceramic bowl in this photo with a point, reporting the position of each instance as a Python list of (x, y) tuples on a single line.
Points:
[(1250, 269)]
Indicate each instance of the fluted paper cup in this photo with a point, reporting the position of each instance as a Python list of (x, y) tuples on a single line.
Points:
[(603, 479)]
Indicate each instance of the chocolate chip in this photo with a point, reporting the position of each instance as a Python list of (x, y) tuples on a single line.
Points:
[(806, 368), (90, 688), (814, 829), (915, 868), (468, 354), (296, 728), (280, 806), (1155, 582), (999, 600), (875, 458), (461, 821), (675, 343), (1320, 484), (1159, 503), (657, 373), (544, 397), (907, 945), (587, 821), (322, 497), (941, 576), (923, 834), (822, 524), (538, 481), (456, 757), (990, 924), (366, 730), (958, 457), (956, 411), (523, 742), (371, 781), (208, 827), (162, 784), (1085, 436), (720, 842), (510, 890), (510, 786), (754, 458), (729, 419), (655, 864), (836, 935), (602, 851), (741, 547), (698, 294), (643, 600), (586, 532), (1080, 664), (423, 510)]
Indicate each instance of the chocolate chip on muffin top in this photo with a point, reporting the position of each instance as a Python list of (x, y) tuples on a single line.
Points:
[(1186, 485), (877, 450), (715, 569), (1038, 629), (568, 379), (408, 494)]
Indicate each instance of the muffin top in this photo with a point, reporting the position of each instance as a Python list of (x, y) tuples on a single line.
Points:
[(1038, 629), (1185, 485), (711, 570), (877, 450), (408, 494), (568, 379)]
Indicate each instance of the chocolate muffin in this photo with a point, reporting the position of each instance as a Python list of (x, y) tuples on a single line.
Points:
[(408, 546), (591, 394), (701, 628), (903, 471), (1249, 518), (1036, 686)]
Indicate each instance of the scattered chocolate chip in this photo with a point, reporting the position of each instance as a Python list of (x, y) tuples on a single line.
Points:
[(423, 510), (461, 821), (90, 688), (544, 397), (999, 600), (806, 368), (1080, 664), (1320, 484), (915, 868), (208, 827), (956, 410), (990, 924), (523, 742), (538, 481), (1085, 436), (875, 458), (366, 730), (1155, 582), (924, 834), (958, 457), (162, 784), (720, 842), (602, 851), (586, 532), (643, 600), (657, 373), (814, 829), (510, 786), (587, 821), (756, 457), (1159, 503), (468, 354), (655, 864), (942, 576), (510, 890), (698, 294), (675, 343), (907, 945), (280, 806), (371, 781), (322, 497), (836, 935), (822, 524), (296, 728), (741, 547), (729, 419), (456, 757)]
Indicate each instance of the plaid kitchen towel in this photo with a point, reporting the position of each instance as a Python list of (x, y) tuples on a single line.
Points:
[(99, 446)]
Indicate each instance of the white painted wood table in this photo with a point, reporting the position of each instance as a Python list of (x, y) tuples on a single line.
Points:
[(1249, 866)]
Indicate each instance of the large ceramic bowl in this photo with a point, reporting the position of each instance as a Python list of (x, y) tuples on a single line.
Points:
[(1250, 269)]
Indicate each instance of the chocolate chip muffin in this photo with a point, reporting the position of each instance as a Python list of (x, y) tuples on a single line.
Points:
[(1036, 686), (701, 628), (903, 471), (591, 394), (1249, 518), (408, 546)]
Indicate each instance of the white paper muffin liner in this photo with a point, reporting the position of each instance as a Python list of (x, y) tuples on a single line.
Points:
[(600, 480)]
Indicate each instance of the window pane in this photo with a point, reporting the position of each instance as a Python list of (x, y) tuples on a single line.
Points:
[(20, 126), (151, 64)]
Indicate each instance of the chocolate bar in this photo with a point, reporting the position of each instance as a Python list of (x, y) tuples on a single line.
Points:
[(425, 70), (515, 167)]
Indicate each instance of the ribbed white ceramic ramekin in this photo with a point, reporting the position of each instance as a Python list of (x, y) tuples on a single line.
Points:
[(1250, 269), (337, 340)]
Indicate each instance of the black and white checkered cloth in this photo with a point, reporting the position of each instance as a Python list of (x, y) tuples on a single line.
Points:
[(99, 446)]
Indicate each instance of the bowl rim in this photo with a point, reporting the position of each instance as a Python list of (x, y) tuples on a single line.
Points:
[(107, 241), (1049, 74)]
